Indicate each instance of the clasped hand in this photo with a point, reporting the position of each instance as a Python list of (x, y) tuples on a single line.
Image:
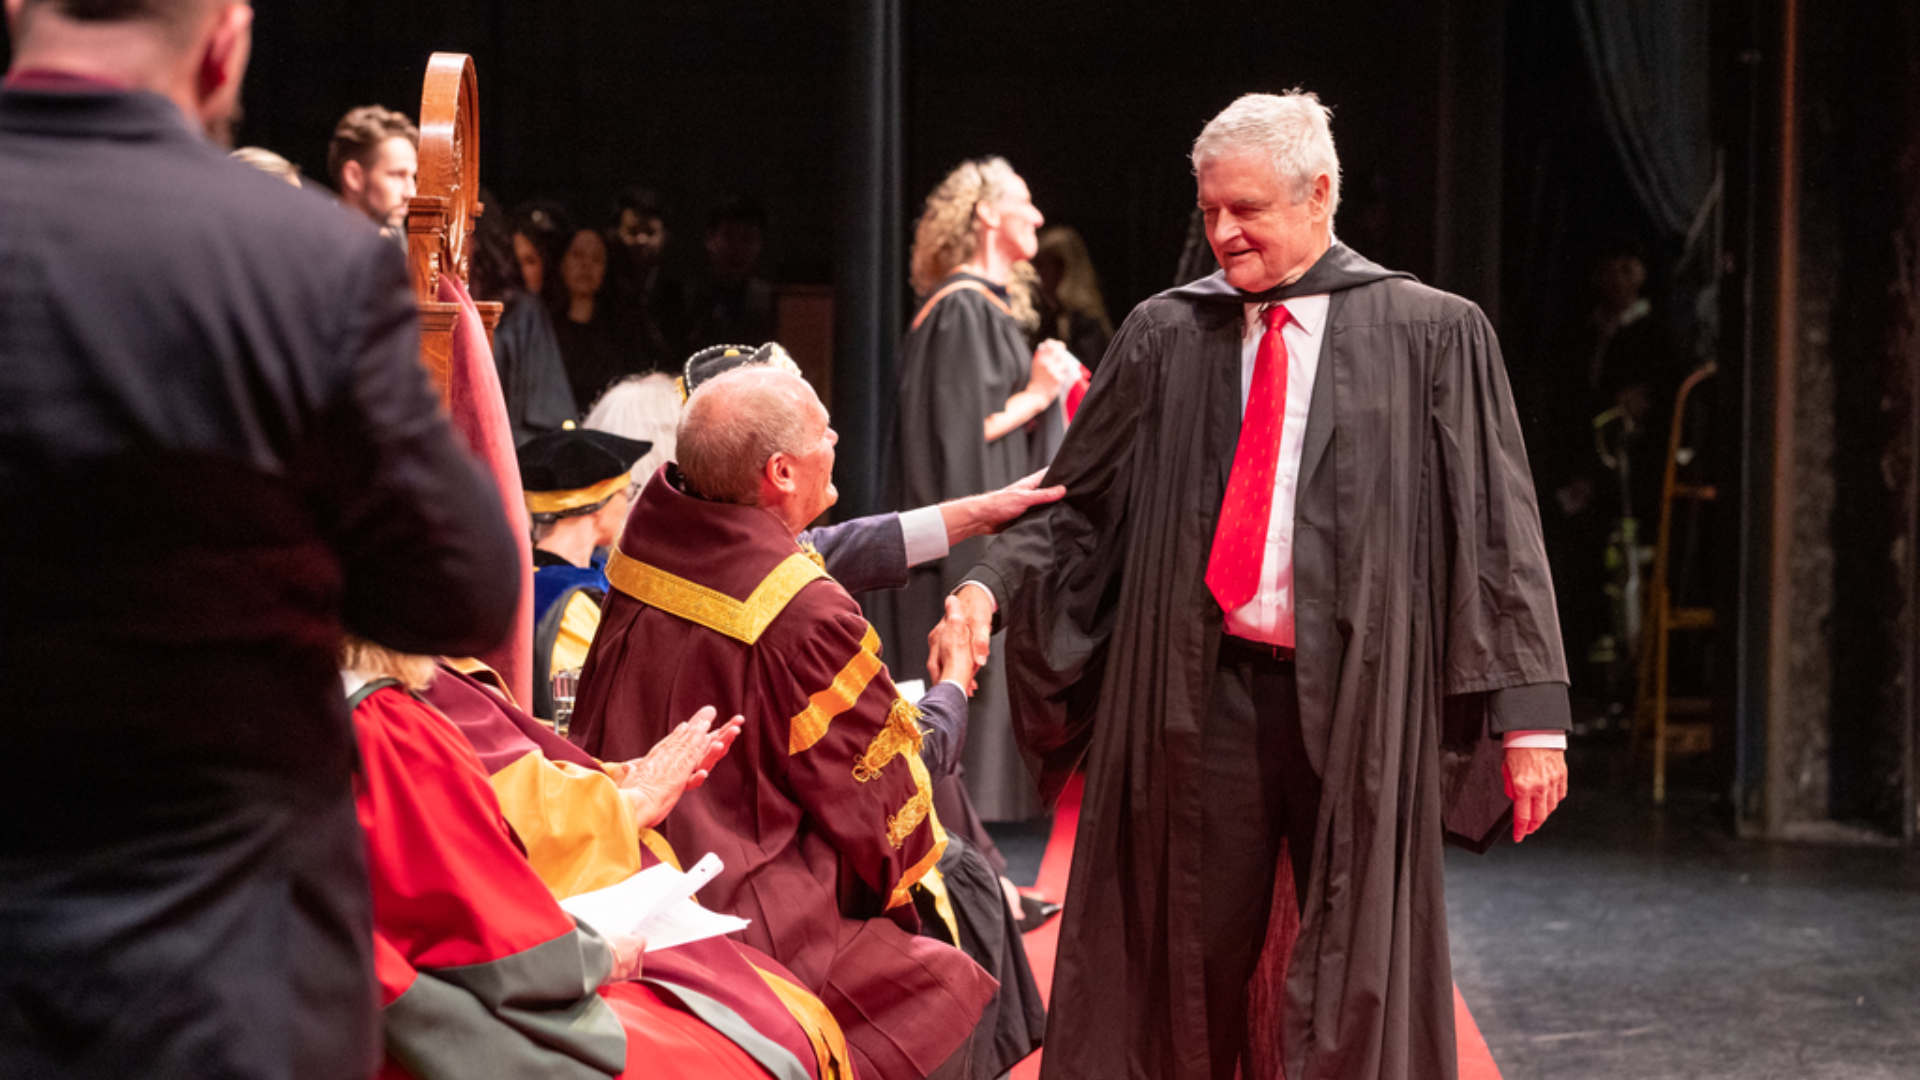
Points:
[(959, 643)]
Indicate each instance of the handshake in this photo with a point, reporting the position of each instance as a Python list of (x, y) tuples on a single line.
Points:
[(958, 645)]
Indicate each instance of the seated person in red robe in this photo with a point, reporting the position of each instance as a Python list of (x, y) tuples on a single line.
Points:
[(481, 973), (823, 813), (585, 825)]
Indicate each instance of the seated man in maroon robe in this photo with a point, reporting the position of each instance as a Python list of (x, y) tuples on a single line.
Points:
[(823, 812)]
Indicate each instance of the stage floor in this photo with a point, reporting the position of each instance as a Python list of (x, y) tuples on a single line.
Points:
[(1626, 941)]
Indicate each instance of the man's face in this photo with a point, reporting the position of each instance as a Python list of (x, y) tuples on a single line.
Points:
[(1260, 235), (1019, 221), (642, 234), (813, 468), (386, 183)]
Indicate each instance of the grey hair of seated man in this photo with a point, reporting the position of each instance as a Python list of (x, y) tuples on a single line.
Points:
[(734, 424)]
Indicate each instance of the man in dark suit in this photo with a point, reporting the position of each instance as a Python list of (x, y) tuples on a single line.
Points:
[(218, 450)]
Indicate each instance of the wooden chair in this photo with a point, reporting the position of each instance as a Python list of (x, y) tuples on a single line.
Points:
[(441, 218), (1664, 617), (440, 222)]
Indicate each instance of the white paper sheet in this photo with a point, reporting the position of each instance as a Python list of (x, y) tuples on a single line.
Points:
[(656, 904)]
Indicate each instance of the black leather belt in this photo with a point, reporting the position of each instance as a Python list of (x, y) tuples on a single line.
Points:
[(1240, 650)]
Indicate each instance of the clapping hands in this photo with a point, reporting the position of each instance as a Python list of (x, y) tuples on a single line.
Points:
[(676, 764)]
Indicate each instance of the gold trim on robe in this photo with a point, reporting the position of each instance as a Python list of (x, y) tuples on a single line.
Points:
[(812, 722), (661, 849), (742, 620), (553, 502), (900, 735), (901, 825), (935, 884), (577, 829), (823, 1031)]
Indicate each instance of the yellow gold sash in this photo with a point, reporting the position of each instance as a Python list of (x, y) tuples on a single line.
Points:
[(742, 620)]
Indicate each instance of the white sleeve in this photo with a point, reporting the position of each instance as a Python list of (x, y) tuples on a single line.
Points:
[(925, 531), (1534, 740)]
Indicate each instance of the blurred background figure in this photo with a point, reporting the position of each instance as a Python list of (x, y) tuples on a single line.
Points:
[(1070, 305), (729, 303), (532, 376), (977, 410), (1602, 462), (542, 228), (268, 162), (643, 303), (588, 345), (374, 163)]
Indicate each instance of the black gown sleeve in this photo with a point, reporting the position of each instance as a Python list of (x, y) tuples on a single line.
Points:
[(1055, 572), (1502, 630)]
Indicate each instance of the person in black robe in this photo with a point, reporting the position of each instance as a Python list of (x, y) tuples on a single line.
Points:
[(1422, 626), (533, 378), (977, 410)]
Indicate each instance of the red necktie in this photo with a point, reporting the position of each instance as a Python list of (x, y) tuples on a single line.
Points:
[(1240, 539)]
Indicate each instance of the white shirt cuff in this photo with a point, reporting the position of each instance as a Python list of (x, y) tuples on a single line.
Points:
[(992, 604), (925, 531), (1534, 740)]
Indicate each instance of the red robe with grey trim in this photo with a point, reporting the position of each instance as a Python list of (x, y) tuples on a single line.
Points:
[(821, 812), (480, 971)]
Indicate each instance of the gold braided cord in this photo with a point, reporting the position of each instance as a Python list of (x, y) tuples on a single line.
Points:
[(742, 620), (918, 808), (811, 552), (901, 734), (810, 726)]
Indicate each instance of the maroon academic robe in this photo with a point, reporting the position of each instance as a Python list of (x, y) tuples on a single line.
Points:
[(504, 737), (481, 972), (822, 812)]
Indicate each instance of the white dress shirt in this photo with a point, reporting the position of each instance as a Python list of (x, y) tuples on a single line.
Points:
[(1271, 609), (1262, 618)]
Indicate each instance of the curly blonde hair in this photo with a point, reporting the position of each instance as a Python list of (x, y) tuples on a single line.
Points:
[(947, 236)]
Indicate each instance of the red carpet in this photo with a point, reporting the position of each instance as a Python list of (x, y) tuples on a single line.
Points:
[(1476, 1061)]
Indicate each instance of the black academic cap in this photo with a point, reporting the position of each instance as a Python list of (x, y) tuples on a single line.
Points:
[(711, 361), (575, 467)]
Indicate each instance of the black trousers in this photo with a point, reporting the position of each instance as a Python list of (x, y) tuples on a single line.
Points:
[(1260, 790)]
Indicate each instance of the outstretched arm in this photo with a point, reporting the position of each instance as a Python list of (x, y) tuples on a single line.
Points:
[(992, 511)]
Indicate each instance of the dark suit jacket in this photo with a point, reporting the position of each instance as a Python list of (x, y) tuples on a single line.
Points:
[(865, 553), (218, 450)]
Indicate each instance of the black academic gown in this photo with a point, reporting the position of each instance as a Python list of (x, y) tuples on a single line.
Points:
[(1422, 590), (959, 366)]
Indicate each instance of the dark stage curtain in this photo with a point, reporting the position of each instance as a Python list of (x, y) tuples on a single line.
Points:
[(1649, 64)]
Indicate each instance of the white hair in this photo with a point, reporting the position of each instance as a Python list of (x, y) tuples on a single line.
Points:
[(644, 407), (1292, 129)]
